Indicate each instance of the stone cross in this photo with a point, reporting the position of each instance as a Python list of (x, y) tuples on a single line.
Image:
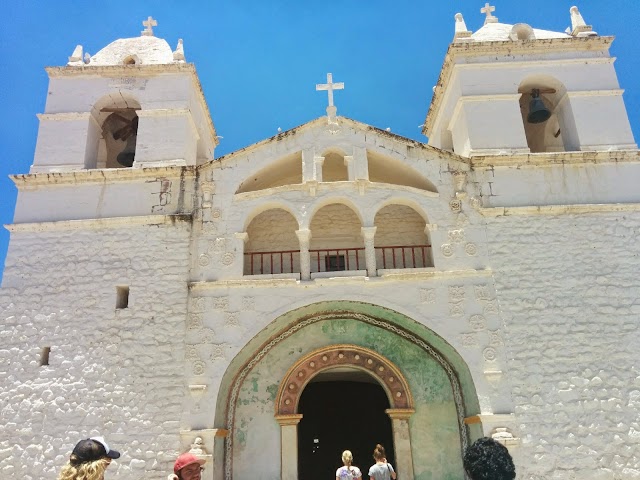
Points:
[(488, 9), (330, 87), (148, 23)]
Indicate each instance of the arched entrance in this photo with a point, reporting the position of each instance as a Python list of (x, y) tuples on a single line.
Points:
[(253, 390), (341, 410), (340, 358)]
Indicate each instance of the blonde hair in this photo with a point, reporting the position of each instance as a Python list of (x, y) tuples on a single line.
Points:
[(378, 452), (84, 471), (347, 458)]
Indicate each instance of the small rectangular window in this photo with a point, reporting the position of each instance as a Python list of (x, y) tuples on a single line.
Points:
[(122, 297), (334, 263), (44, 356)]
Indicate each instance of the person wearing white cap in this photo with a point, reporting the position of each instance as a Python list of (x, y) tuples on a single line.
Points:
[(89, 460)]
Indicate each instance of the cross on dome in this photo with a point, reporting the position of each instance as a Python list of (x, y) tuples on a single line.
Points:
[(487, 10), (149, 23), (330, 87)]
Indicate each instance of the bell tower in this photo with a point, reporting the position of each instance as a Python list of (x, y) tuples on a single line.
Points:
[(136, 103), (509, 89)]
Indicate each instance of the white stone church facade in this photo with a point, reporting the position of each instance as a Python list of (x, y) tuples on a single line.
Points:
[(336, 285)]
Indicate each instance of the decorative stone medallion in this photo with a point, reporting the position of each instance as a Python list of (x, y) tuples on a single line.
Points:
[(489, 354), (447, 250), (477, 322), (471, 249), (427, 295), (199, 367), (456, 236), (228, 259), (456, 293)]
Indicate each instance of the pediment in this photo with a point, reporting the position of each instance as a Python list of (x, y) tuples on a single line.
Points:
[(321, 152)]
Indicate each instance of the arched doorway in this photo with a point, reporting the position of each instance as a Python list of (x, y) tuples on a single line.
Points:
[(342, 409), (330, 362), (270, 374)]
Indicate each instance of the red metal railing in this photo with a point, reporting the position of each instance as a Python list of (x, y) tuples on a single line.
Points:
[(403, 256), (337, 259), (261, 263)]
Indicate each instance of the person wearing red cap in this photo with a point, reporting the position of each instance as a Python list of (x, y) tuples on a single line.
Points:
[(89, 460), (188, 467)]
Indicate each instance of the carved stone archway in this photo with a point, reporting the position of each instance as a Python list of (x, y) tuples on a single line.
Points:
[(380, 368)]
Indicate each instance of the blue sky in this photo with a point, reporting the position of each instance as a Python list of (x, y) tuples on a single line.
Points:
[(259, 61)]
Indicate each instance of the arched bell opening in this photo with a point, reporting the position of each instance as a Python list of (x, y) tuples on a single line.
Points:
[(546, 115), (119, 137), (114, 133)]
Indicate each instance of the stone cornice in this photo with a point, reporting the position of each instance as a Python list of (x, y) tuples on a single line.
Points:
[(332, 188), (558, 158), (560, 209), (510, 48), (411, 276), (108, 175), (140, 71), (96, 223), (120, 70)]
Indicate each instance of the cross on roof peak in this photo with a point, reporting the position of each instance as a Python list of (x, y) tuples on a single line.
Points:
[(487, 10), (330, 87), (149, 23)]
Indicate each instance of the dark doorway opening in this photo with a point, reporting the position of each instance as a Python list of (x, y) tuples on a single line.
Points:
[(338, 416)]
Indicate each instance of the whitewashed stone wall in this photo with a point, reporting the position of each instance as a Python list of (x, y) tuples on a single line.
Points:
[(115, 372), (540, 308), (569, 291)]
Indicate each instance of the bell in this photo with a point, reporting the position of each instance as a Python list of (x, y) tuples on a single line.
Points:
[(538, 113), (126, 157)]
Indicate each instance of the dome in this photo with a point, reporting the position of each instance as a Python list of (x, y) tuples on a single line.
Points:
[(143, 50), (497, 32)]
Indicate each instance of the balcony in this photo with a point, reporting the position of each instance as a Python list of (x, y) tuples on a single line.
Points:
[(336, 261), (335, 242)]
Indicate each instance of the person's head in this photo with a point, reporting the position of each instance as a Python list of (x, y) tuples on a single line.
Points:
[(487, 459), (188, 467), (88, 461), (378, 453), (347, 458)]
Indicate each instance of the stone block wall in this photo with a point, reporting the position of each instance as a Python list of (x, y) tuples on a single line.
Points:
[(115, 372), (569, 292)]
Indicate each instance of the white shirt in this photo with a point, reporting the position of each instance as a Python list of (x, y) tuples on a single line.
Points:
[(348, 473)]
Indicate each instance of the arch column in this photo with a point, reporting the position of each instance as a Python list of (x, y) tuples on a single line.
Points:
[(318, 163), (368, 233), (304, 237), (402, 440), (289, 445), (241, 238)]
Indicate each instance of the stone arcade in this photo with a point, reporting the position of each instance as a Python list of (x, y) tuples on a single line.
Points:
[(485, 283)]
